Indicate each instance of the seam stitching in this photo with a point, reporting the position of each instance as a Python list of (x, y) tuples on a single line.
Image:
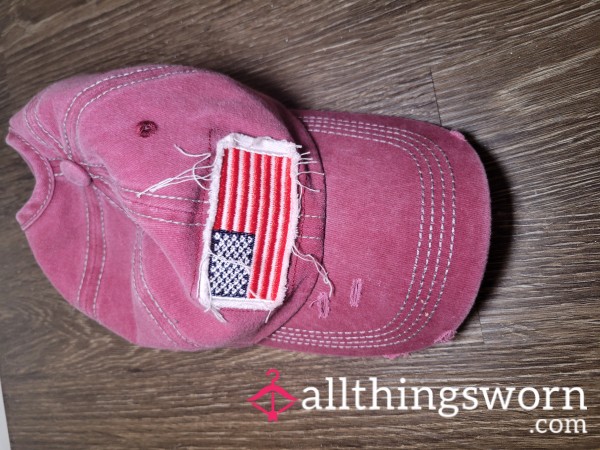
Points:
[(428, 256), (450, 254), (68, 150), (425, 268), (41, 126), (115, 88), (422, 138), (38, 212), (289, 331), (139, 297), (87, 250), (111, 182), (128, 211), (156, 304), (30, 128), (94, 306)]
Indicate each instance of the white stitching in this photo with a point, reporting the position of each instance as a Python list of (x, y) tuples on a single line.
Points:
[(160, 219), (426, 301), (311, 237), (417, 256), (414, 304), (425, 268), (449, 258), (49, 188), (439, 249), (39, 123), (163, 196), (141, 268), (111, 182), (145, 69), (161, 208), (114, 88), (87, 249), (30, 128), (94, 310), (133, 202), (139, 297)]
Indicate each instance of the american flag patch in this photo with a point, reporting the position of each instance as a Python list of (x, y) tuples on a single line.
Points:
[(251, 227)]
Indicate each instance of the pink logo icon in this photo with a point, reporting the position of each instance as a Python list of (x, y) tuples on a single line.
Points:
[(272, 389)]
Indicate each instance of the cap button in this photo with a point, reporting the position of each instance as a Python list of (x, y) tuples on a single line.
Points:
[(75, 173)]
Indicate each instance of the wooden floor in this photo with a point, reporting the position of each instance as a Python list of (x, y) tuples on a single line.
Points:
[(520, 78)]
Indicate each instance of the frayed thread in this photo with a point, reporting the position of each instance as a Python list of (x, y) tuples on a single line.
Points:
[(306, 159), (445, 337), (355, 292), (323, 305), (190, 174), (206, 301), (318, 266)]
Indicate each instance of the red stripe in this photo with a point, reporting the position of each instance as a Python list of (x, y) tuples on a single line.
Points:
[(232, 189), (254, 201), (268, 262), (245, 182), (264, 216), (285, 225), (221, 202)]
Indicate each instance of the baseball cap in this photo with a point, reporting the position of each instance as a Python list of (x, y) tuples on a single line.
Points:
[(185, 211)]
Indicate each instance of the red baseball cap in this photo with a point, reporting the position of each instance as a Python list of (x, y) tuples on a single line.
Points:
[(185, 211)]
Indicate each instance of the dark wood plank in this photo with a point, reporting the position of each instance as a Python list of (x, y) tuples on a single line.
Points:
[(544, 166), (520, 78)]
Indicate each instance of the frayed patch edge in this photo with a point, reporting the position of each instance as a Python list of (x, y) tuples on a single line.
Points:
[(261, 145)]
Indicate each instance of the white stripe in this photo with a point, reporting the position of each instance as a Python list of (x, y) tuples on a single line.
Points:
[(240, 186), (280, 230), (264, 274), (252, 181)]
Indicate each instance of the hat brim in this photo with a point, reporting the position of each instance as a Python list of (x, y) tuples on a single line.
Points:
[(407, 231)]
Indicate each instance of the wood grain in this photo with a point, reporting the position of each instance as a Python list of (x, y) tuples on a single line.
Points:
[(520, 78)]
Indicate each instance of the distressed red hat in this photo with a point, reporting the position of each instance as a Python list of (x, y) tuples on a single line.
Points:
[(184, 211)]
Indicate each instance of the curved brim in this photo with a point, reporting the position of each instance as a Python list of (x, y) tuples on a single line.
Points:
[(407, 232)]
